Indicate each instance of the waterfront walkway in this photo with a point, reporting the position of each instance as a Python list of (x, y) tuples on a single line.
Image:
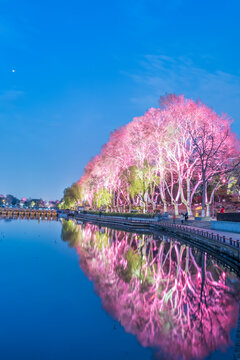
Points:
[(227, 234), (220, 242), (204, 226)]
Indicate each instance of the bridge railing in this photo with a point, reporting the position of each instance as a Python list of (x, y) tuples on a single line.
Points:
[(27, 212)]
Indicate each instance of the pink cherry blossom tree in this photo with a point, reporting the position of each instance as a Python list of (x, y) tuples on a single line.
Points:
[(164, 157)]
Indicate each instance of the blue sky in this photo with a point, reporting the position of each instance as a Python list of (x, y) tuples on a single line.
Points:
[(82, 69)]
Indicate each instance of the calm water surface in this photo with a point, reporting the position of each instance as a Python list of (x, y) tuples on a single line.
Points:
[(73, 291)]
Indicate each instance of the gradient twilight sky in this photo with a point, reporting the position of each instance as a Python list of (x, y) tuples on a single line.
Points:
[(84, 68)]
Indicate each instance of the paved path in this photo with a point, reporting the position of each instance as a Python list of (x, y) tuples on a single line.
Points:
[(205, 225), (227, 234), (222, 241)]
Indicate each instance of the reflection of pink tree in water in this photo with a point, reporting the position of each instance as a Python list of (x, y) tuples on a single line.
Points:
[(170, 298)]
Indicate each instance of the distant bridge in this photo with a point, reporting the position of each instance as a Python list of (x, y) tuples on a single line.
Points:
[(28, 213)]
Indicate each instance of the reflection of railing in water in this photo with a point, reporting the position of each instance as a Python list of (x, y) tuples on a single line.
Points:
[(28, 213), (172, 298)]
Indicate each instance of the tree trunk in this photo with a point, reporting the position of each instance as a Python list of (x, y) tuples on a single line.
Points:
[(208, 209), (144, 207), (203, 194), (164, 206), (163, 198), (189, 208), (176, 209)]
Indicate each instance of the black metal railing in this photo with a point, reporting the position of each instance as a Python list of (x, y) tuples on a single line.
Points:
[(210, 235)]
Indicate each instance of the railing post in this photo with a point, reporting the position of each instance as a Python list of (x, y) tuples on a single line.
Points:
[(230, 239)]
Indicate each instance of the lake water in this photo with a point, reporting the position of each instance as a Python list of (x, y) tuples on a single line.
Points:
[(73, 291)]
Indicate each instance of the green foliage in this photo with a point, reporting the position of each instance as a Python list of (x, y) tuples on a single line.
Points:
[(70, 232), (134, 265), (102, 240), (136, 181), (102, 198), (233, 187), (119, 214), (72, 196), (141, 179)]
